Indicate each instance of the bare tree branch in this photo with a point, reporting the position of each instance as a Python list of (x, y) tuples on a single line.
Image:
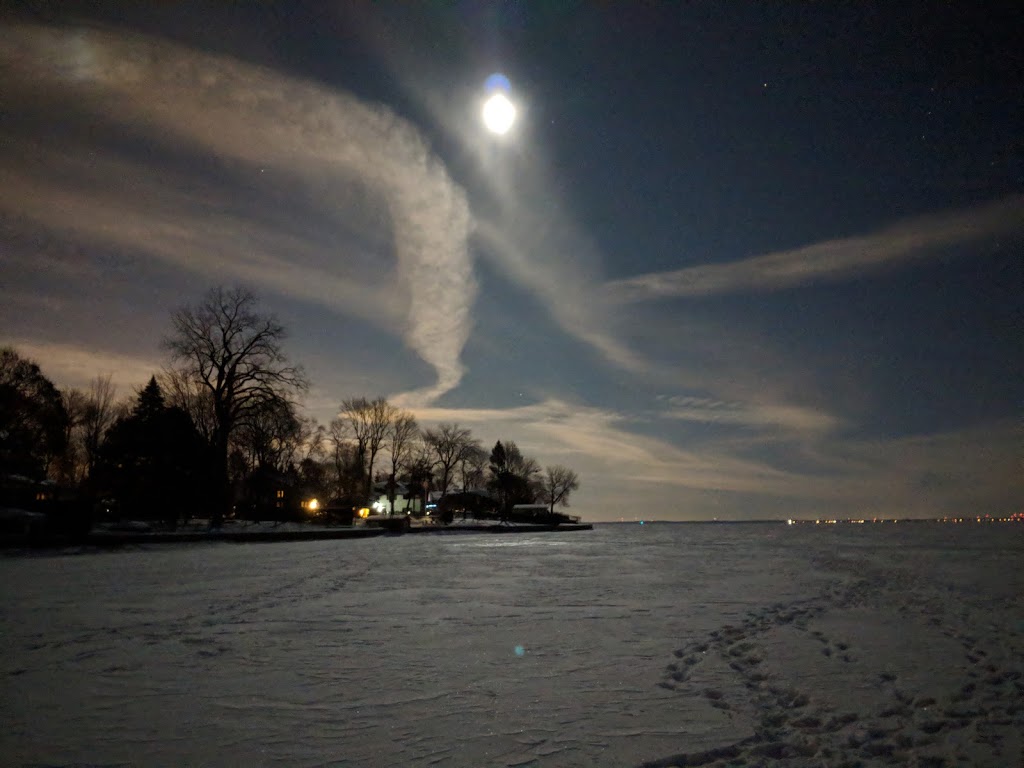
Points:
[(369, 421), (558, 483), (401, 439), (449, 444), (227, 348)]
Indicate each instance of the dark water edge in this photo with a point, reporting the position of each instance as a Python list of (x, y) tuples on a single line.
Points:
[(111, 539)]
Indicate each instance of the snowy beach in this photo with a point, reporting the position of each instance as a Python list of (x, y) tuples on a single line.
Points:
[(629, 645)]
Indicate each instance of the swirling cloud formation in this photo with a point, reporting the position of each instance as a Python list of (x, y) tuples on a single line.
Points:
[(225, 111)]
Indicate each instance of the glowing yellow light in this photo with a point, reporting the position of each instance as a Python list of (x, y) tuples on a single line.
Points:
[(364, 512), (314, 504)]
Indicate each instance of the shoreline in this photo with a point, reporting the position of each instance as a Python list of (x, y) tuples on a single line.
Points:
[(108, 538)]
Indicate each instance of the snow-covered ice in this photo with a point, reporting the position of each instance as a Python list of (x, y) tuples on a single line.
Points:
[(628, 645)]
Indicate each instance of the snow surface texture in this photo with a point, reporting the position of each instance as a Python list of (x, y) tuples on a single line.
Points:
[(628, 645)]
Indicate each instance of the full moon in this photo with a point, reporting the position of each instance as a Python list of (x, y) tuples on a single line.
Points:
[(499, 113)]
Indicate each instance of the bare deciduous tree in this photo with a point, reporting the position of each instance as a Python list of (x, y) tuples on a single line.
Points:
[(193, 397), (419, 470), (100, 414), (313, 440), (271, 437), (472, 467), (557, 484), (369, 421), (401, 440), (449, 444), (346, 462), (227, 347), (90, 415), (69, 468)]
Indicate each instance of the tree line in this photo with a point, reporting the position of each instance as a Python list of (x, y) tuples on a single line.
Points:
[(220, 431)]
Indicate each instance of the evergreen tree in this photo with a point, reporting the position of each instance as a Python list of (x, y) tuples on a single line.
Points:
[(155, 463), (513, 477)]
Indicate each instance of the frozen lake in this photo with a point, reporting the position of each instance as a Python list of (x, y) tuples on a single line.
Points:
[(623, 646)]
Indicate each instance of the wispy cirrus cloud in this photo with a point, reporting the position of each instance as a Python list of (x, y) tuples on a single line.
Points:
[(541, 251), (754, 415), (222, 110), (829, 260), (155, 216)]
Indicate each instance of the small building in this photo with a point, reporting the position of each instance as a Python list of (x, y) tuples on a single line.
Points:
[(408, 500), (540, 514)]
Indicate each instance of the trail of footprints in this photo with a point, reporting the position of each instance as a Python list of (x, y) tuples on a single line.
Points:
[(908, 730)]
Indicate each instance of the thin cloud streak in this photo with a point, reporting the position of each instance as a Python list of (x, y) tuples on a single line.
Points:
[(253, 115), (829, 260), (752, 415), (566, 289), (155, 218)]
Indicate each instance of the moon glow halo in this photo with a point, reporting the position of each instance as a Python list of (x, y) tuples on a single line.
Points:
[(499, 112)]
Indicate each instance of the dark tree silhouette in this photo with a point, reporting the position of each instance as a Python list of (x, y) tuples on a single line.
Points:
[(98, 416), (513, 477), (33, 420), (154, 462), (233, 352), (472, 468), (557, 485), (449, 444), (69, 468), (347, 464), (369, 422), (401, 437), (419, 473), (270, 437)]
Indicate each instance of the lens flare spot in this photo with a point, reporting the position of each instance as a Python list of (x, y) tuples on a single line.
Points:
[(520, 651), (497, 82)]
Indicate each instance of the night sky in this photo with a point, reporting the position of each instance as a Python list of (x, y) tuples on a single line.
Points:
[(732, 261)]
